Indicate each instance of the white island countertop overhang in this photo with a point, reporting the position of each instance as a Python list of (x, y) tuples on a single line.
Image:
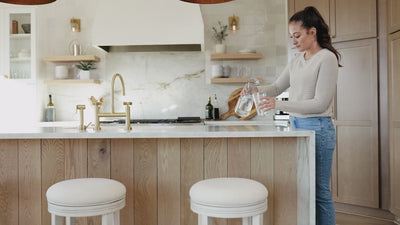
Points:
[(37, 130)]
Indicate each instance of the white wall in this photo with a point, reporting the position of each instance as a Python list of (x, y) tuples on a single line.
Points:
[(161, 84)]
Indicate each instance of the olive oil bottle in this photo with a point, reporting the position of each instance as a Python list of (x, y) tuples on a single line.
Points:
[(50, 111), (209, 110)]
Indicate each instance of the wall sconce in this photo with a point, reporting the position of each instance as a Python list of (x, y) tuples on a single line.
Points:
[(233, 22), (75, 25)]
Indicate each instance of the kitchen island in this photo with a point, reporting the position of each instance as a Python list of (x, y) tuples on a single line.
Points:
[(157, 164)]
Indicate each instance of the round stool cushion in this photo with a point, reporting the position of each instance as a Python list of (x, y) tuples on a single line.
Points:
[(85, 192), (228, 192)]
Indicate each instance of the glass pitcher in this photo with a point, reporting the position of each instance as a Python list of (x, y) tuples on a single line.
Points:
[(245, 102)]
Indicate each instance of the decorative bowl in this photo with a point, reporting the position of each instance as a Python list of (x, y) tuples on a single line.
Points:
[(26, 27)]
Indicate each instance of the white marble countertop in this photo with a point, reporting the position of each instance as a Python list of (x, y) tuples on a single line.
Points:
[(70, 130)]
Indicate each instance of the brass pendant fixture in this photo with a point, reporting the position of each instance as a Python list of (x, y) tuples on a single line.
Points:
[(28, 2), (206, 1)]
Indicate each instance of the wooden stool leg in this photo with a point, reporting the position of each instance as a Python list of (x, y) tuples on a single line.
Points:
[(204, 220), (115, 218), (257, 220), (56, 220), (246, 220)]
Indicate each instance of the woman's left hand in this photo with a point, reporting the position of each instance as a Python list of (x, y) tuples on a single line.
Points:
[(267, 103)]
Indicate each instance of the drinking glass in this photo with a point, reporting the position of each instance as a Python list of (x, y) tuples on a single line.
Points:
[(257, 100)]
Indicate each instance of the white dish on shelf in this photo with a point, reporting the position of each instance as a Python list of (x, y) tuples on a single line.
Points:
[(246, 51)]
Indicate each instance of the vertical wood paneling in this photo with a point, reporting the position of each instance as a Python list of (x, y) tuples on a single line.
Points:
[(262, 170), (53, 170), (285, 181), (30, 186), (76, 157), (98, 165), (239, 157), (145, 168), (238, 163), (122, 171), (9, 182), (191, 172), (169, 169), (99, 158), (215, 158), (216, 163)]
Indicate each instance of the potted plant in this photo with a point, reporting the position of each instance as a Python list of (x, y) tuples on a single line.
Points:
[(219, 35), (85, 68)]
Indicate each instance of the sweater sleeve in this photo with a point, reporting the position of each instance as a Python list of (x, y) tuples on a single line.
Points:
[(325, 90), (279, 86)]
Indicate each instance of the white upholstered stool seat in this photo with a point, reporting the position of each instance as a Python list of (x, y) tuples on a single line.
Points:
[(86, 197), (229, 198)]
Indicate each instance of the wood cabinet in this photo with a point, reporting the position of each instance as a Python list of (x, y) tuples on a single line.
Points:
[(393, 7), (356, 164), (394, 120), (347, 19)]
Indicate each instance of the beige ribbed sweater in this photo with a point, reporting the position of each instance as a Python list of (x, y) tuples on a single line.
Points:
[(312, 85)]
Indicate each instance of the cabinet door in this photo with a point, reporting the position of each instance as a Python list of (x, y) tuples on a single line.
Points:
[(321, 5), (394, 120), (19, 46), (355, 19), (356, 168), (393, 15), (347, 19)]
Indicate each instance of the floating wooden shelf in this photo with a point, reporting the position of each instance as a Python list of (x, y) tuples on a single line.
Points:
[(230, 80), (72, 81), (71, 58), (236, 56)]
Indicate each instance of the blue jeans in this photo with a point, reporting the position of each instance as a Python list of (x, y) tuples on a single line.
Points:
[(325, 140)]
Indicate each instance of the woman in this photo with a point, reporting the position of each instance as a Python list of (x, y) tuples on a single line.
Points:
[(312, 77)]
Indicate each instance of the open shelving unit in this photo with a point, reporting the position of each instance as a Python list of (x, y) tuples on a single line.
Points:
[(236, 56), (71, 58), (228, 80), (233, 56), (72, 81)]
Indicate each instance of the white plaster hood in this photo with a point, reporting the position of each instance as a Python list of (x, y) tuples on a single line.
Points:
[(138, 23)]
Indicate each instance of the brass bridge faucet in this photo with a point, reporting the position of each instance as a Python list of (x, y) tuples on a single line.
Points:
[(125, 114)]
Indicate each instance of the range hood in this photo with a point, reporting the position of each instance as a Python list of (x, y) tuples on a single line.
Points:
[(148, 25)]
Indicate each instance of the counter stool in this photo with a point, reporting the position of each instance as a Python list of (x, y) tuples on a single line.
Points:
[(86, 197), (229, 198)]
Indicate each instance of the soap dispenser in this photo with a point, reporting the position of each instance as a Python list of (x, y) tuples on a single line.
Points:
[(50, 111)]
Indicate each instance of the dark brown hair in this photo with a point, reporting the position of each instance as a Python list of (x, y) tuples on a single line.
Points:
[(310, 17)]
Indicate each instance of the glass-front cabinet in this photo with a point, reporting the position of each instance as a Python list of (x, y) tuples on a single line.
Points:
[(17, 41)]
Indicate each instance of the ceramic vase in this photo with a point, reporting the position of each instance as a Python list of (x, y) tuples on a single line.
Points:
[(220, 48), (84, 74)]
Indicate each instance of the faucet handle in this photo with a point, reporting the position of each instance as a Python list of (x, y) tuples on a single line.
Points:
[(80, 107), (127, 103)]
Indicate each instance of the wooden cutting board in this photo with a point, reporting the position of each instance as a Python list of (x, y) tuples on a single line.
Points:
[(233, 98)]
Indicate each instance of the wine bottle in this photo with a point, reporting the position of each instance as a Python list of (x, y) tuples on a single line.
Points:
[(209, 110), (50, 112), (216, 108)]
